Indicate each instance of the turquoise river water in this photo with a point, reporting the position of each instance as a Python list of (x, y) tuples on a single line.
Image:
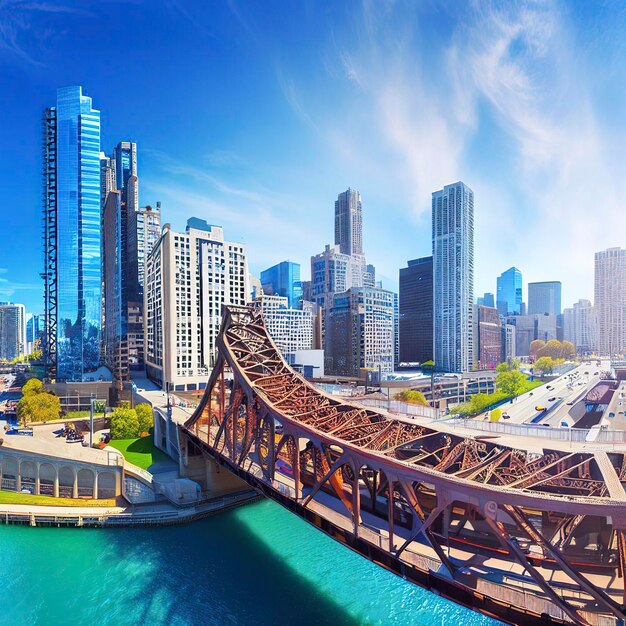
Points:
[(255, 565)]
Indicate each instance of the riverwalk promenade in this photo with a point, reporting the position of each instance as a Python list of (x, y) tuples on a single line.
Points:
[(154, 514)]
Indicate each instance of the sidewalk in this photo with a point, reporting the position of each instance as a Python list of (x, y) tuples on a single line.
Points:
[(160, 513)]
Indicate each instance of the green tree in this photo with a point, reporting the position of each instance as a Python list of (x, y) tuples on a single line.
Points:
[(514, 364), (511, 383), (38, 407), (502, 367), (411, 396), (32, 386), (124, 423), (145, 417), (544, 365)]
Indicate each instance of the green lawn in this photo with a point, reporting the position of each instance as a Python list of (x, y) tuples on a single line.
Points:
[(74, 415), (11, 497), (140, 452)]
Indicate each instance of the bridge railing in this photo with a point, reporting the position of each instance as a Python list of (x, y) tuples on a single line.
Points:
[(400, 408), (574, 435)]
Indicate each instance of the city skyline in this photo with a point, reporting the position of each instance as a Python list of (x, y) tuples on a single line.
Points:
[(225, 167)]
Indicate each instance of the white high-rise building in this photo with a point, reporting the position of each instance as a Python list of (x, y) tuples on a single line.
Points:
[(291, 329), (190, 277), (610, 301), (585, 326), (12, 331), (579, 326), (453, 277)]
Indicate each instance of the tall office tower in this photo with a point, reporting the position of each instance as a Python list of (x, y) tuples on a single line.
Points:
[(342, 266), (569, 332), (453, 277), (306, 290), (144, 230), (509, 349), (190, 277), (610, 301), (509, 292), (291, 329), (531, 327), (34, 330), (486, 299), (416, 311), (12, 330), (544, 298), (584, 326), (72, 236), (335, 272), (116, 290), (396, 330), (107, 176), (360, 332), (349, 222), (489, 337), (125, 157), (283, 280)]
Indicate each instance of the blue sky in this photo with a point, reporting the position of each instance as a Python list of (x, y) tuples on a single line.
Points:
[(255, 115)]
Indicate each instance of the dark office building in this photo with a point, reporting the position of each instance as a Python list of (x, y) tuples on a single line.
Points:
[(416, 311), (116, 291)]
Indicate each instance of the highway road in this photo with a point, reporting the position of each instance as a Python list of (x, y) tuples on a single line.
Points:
[(561, 397)]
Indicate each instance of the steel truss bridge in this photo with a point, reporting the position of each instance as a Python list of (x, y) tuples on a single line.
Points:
[(530, 535)]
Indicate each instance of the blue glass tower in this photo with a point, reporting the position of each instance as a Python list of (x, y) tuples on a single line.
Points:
[(509, 293), (283, 280), (72, 236)]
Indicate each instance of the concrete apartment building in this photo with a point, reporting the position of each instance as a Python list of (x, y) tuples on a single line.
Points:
[(360, 332), (453, 277), (190, 277), (610, 301)]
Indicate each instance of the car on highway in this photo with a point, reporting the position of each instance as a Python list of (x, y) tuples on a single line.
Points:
[(552, 399), (540, 408), (611, 414)]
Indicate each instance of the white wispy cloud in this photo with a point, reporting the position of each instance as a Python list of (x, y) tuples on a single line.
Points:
[(20, 38), (526, 62), (422, 113), (269, 222), (9, 288)]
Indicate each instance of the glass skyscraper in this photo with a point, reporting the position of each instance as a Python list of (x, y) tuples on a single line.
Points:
[(509, 292), (125, 159), (72, 236), (283, 280), (544, 298)]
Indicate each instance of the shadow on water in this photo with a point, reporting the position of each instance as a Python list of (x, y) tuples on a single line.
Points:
[(218, 571)]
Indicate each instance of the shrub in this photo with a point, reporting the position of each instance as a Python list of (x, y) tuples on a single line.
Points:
[(411, 396), (495, 415), (124, 423), (145, 417)]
